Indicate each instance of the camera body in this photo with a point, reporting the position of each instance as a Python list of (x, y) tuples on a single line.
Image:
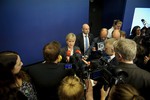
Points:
[(99, 70)]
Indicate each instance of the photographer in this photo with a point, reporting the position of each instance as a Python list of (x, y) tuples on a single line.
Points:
[(125, 50)]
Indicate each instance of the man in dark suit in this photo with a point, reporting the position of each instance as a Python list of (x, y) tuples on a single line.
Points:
[(109, 50), (97, 45), (125, 51), (84, 39), (48, 75)]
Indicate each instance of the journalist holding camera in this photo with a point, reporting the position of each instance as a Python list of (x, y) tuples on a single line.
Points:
[(138, 79)]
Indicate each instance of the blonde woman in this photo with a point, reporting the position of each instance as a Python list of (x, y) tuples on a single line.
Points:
[(69, 49)]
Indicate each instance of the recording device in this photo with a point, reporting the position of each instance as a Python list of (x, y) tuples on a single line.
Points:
[(68, 54), (99, 70), (75, 61), (144, 22), (146, 37), (106, 73)]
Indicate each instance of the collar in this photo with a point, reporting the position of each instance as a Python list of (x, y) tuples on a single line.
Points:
[(111, 57), (85, 35)]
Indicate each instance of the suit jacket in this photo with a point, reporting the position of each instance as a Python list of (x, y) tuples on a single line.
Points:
[(138, 78), (46, 78), (64, 50), (114, 62), (93, 44), (80, 41)]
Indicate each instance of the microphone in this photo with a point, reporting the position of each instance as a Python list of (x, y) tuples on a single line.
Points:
[(59, 58), (78, 51), (68, 54), (77, 55)]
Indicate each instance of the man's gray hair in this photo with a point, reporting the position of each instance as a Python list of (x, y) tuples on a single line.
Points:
[(127, 48)]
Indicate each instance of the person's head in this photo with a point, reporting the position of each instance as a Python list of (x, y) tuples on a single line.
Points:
[(71, 88), (122, 34), (70, 40), (124, 92), (10, 66), (109, 48), (103, 33), (116, 34), (117, 24), (85, 28), (51, 51), (136, 31), (125, 50), (143, 31)]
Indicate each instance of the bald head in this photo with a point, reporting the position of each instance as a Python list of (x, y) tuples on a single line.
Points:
[(103, 33), (116, 34), (85, 28)]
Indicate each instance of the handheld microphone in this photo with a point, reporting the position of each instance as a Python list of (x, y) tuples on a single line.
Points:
[(78, 51), (68, 54), (59, 58)]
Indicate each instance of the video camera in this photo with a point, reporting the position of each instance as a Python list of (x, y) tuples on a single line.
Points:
[(99, 70), (105, 73)]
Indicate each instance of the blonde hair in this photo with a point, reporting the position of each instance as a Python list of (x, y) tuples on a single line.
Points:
[(111, 41), (70, 35), (71, 89)]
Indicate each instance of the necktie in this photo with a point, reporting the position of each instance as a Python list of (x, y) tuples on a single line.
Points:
[(86, 43)]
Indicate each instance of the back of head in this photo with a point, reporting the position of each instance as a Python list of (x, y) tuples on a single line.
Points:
[(111, 41), (71, 89), (123, 34), (116, 34), (124, 92), (51, 51), (127, 48)]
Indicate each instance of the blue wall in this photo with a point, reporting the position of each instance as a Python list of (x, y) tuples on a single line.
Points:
[(112, 10), (27, 25), (129, 12)]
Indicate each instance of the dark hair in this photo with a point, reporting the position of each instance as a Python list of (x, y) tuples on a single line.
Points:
[(133, 32), (7, 63), (124, 92), (7, 77), (51, 51)]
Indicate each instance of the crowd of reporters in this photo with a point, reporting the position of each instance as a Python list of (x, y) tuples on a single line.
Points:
[(60, 75)]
